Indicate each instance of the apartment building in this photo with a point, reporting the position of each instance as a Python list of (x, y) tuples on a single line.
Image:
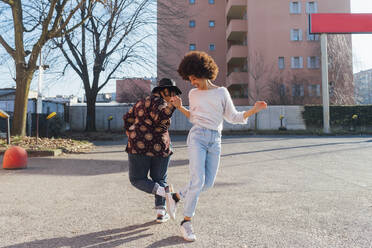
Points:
[(363, 87), (263, 48)]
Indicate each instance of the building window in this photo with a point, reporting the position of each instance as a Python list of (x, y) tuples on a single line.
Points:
[(192, 1), (211, 24), (295, 7), (282, 90), (297, 62), (212, 47), (313, 37), (238, 91), (314, 90), (281, 63), (313, 62), (211, 1), (192, 47), (297, 90), (296, 34), (311, 7), (192, 24)]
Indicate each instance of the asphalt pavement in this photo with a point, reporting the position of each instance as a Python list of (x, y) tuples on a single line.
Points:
[(270, 191)]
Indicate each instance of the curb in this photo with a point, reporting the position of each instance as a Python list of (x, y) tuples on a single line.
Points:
[(47, 153)]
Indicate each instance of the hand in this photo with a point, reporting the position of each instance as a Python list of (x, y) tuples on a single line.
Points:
[(260, 105), (176, 101)]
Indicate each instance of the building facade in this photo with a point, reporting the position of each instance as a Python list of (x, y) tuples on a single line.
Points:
[(363, 87), (263, 48)]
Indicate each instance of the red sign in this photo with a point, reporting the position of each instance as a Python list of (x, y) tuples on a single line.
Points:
[(340, 23)]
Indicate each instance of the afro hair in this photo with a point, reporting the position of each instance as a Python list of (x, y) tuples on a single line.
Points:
[(198, 64)]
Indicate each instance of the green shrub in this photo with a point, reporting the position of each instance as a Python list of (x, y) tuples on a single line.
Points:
[(341, 117)]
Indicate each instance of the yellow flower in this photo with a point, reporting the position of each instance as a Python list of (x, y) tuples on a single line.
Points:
[(281, 117), (110, 118), (354, 117)]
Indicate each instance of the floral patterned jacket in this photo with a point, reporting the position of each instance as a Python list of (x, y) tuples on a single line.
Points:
[(146, 125)]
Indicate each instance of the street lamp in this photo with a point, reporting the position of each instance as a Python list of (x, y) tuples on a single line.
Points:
[(50, 116), (109, 119), (5, 115)]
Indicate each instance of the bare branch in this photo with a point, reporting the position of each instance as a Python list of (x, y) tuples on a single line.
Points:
[(10, 2), (9, 49), (58, 32)]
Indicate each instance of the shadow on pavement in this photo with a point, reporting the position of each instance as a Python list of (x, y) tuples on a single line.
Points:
[(79, 167), (74, 167), (102, 239), (170, 241), (294, 147)]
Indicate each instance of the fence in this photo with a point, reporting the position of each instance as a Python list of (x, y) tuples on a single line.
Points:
[(267, 119)]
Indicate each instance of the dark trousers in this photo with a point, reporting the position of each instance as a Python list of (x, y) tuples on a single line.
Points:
[(139, 168)]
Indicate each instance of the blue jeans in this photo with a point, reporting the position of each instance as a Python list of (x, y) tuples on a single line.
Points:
[(204, 147), (139, 168)]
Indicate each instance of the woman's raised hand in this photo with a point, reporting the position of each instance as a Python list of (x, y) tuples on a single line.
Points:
[(260, 105), (176, 101)]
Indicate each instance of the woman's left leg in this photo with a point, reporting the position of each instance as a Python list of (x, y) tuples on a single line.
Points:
[(212, 161)]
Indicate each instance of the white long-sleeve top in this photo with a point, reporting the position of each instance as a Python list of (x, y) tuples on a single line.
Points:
[(208, 108)]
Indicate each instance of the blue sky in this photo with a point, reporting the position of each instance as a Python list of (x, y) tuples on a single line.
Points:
[(362, 60)]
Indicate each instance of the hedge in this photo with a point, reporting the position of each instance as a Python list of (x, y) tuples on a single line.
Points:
[(341, 117)]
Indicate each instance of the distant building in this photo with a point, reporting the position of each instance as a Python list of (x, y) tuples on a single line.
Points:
[(102, 98), (363, 87), (9, 94), (7, 98), (263, 48), (62, 99), (130, 90)]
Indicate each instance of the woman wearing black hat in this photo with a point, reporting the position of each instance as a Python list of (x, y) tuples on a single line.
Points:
[(149, 146)]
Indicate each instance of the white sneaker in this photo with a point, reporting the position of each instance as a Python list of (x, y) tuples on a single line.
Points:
[(187, 231), (162, 218), (170, 202)]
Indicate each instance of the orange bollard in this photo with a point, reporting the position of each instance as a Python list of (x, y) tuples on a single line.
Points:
[(15, 158)]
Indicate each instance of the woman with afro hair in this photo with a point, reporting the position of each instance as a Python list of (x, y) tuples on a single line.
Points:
[(209, 106)]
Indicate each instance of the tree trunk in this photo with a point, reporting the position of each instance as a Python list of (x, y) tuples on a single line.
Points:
[(91, 113), (23, 81)]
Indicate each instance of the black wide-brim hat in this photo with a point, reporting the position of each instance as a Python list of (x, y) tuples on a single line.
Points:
[(167, 83)]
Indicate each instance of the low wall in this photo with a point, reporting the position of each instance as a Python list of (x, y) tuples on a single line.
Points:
[(267, 119)]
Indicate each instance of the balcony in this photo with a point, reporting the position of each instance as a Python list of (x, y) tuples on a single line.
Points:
[(236, 29), (237, 78), (236, 52), (236, 9)]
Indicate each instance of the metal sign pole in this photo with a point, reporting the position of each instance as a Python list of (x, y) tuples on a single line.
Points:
[(39, 103), (325, 91), (8, 132)]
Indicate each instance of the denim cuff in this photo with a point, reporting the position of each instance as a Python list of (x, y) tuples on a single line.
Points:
[(162, 207), (156, 186)]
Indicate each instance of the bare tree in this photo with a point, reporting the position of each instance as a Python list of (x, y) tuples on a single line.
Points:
[(34, 23), (298, 84), (340, 69), (133, 93), (279, 90), (172, 20), (259, 71), (114, 38)]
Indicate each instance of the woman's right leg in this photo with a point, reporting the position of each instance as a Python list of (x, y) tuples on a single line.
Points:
[(139, 166), (197, 146)]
